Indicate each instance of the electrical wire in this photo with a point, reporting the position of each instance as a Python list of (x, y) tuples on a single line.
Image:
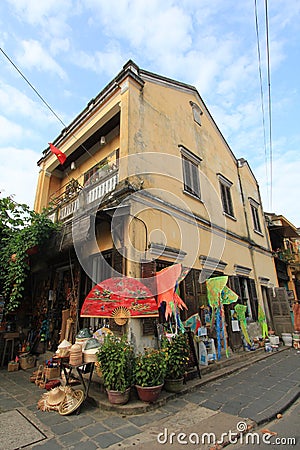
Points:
[(269, 103), (43, 100), (261, 95)]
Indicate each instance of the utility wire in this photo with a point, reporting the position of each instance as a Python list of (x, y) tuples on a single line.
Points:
[(269, 104), (261, 95), (43, 100)]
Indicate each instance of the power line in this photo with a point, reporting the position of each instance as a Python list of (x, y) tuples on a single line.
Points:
[(261, 95), (269, 103), (43, 100)]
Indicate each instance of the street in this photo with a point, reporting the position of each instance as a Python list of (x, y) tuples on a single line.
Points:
[(249, 397)]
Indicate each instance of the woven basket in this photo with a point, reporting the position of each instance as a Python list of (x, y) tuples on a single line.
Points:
[(51, 372)]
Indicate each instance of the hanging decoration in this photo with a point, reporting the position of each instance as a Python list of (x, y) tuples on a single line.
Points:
[(263, 323), (218, 295), (193, 322), (167, 281), (119, 298), (241, 315)]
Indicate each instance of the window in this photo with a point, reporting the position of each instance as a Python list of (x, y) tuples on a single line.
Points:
[(190, 167), (255, 217), (225, 187), (197, 113)]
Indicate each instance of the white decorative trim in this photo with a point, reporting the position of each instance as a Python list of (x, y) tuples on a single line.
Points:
[(212, 263), (264, 281), (242, 270), (224, 180), (167, 252), (188, 154)]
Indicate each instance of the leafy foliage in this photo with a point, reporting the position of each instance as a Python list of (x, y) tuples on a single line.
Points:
[(150, 368), (177, 356), (116, 358), (20, 230)]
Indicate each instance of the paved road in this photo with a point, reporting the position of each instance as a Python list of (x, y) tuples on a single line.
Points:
[(252, 395), (281, 433)]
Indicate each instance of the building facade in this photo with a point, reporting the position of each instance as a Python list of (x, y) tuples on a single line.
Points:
[(150, 181)]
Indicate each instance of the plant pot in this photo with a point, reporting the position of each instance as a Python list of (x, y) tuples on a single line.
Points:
[(172, 385), (149, 394), (117, 397), (32, 250)]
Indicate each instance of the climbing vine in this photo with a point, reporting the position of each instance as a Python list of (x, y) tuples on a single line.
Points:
[(21, 229)]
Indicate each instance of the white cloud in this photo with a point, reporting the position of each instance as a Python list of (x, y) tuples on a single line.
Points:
[(15, 103), (19, 179), (108, 62), (34, 56), (285, 192), (11, 132), (49, 14)]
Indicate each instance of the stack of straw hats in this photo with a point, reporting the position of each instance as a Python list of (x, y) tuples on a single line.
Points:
[(75, 355), (62, 399), (90, 350), (52, 399), (64, 348), (83, 336)]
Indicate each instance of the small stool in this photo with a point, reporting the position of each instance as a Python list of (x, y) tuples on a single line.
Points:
[(9, 338)]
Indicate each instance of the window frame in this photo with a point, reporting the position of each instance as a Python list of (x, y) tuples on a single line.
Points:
[(197, 112), (254, 207), (190, 173), (226, 197)]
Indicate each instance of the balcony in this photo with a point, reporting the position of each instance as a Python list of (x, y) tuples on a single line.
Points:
[(285, 255), (75, 196)]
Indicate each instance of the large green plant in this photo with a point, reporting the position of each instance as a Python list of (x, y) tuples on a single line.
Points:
[(116, 358), (150, 368), (177, 355), (20, 230)]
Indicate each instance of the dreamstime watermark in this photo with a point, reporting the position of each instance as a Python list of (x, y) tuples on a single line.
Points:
[(240, 436), (157, 204)]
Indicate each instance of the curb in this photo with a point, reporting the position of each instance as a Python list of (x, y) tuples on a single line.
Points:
[(293, 396)]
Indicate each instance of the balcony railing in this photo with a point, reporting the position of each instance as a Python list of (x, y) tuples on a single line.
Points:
[(67, 203)]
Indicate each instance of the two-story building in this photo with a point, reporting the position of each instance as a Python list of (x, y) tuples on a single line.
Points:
[(150, 181)]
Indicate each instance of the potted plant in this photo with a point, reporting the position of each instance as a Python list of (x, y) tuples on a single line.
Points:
[(177, 352), (116, 358), (150, 371)]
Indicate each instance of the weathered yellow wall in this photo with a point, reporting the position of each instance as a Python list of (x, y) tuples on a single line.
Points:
[(161, 119)]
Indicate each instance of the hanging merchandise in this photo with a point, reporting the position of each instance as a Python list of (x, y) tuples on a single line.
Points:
[(218, 295), (241, 314), (193, 322), (262, 322), (167, 281)]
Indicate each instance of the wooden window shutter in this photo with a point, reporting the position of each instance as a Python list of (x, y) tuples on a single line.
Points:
[(148, 270), (253, 299)]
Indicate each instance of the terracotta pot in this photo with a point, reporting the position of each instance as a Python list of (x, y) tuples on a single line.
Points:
[(173, 385), (117, 397), (149, 394), (33, 250)]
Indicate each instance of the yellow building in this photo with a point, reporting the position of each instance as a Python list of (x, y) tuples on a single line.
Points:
[(150, 181)]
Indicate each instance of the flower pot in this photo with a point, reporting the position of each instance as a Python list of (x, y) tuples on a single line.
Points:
[(173, 385), (149, 394), (117, 397)]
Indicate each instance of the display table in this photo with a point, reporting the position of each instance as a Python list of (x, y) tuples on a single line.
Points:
[(81, 370)]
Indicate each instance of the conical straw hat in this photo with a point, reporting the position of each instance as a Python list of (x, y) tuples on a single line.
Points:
[(56, 396)]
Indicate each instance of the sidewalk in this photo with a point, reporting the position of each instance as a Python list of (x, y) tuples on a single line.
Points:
[(252, 390)]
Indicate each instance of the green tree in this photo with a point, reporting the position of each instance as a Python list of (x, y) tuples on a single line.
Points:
[(20, 229)]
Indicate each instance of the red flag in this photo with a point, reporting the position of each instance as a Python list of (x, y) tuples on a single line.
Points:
[(60, 155)]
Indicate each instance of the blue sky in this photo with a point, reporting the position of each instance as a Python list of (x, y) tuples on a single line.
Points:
[(69, 50)]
